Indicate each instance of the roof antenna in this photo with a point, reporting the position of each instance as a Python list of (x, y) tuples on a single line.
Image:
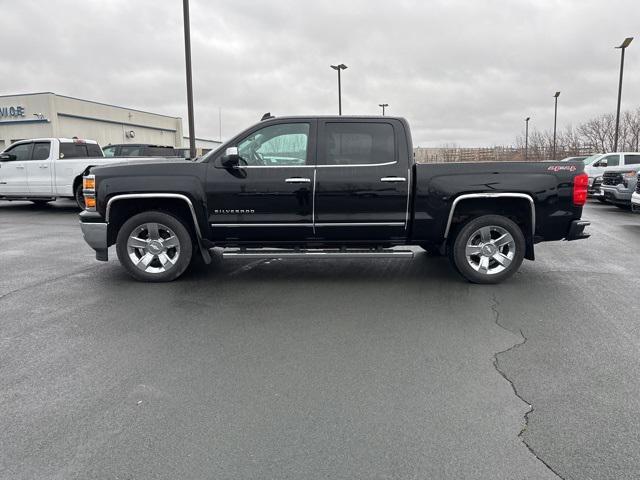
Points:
[(266, 116)]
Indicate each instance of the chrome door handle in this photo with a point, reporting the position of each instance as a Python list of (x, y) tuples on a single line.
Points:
[(393, 179), (298, 180), (44, 166)]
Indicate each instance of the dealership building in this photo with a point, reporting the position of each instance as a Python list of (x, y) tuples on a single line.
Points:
[(41, 115)]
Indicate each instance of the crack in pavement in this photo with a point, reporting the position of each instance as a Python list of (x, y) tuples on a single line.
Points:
[(46, 280), (494, 307)]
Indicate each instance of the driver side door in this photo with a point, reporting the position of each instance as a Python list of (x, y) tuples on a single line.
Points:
[(13, 173), (268, 196)]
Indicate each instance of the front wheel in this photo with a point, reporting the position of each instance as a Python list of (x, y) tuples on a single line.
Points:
[(488, 249), (154, 247), (79, 196)]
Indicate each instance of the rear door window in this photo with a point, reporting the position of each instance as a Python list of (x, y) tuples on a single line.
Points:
[(632, 159), (352, 143), (41, 150), (160, 151), (131, 151)]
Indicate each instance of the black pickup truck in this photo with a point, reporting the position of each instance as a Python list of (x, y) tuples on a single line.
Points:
[(324, 187)]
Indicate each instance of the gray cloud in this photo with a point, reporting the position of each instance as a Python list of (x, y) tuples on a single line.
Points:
[(464, 72)]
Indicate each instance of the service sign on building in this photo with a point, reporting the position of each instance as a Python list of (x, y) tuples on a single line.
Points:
[(11, 112)]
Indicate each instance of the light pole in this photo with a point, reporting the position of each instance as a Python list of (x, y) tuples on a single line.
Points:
[(187, 56), (555, 121), (622, 48), (526, 137), (342, 66), (383, 105)]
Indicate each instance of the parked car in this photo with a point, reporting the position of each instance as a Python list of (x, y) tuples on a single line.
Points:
[(635, 197), (574, 159), (619, 184), (185, 152), (139, 150), (329, 187), (43, 169), (596, 164)]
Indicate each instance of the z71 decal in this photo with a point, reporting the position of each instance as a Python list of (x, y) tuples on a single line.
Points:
[(558, 168)]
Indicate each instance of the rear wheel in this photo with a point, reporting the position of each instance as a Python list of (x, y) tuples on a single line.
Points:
[(488, 249), (154, 247)]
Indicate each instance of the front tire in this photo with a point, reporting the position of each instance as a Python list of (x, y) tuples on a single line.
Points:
[(79, 196), (154, 247), (488, 249)]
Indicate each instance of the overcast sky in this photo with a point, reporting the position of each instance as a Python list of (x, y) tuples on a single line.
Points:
[(463, 72)]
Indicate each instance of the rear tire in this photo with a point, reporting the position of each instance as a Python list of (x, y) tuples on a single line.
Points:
[(488, 249), (154, 247), (623, 206)]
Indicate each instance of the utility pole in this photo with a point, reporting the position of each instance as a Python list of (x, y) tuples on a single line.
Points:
[(526, 137), (342, 66), (555, 120), (187, 56), (622, 48), (383, 105)]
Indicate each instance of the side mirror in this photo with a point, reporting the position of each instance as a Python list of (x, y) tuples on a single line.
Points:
[(231, 157), (603, 163), (5, 157)]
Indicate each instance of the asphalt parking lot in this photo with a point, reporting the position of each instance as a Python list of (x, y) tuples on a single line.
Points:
[(324, 369)]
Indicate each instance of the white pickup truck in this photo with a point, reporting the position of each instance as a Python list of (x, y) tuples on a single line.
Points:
[(43, 169)]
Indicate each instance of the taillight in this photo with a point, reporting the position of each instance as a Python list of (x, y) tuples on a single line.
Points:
[(89, 192), (580, 185)]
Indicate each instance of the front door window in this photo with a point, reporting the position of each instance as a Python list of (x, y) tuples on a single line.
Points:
[(282, 145)]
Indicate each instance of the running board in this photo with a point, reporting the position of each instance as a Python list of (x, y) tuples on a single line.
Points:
[(314, 253)]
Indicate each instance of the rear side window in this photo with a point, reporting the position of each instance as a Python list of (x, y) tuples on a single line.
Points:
[(41, 150), (73, 150), (632, 159), (358, 143), (93, 150)]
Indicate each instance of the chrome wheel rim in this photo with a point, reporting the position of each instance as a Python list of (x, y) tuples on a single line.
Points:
[(490, 250), (153, 248)]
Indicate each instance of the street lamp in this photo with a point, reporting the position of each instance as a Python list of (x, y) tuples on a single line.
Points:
[(342, 66), (383, 105), (526, 137), (622, 48), (187, 56), (555, 119)]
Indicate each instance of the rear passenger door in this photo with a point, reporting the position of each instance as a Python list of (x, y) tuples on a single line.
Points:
[(362, 181)]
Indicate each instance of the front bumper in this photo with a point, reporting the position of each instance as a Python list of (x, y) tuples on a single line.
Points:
[(576, 230), (635, 202), (95, 234), (616, 194), (593, 190)]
